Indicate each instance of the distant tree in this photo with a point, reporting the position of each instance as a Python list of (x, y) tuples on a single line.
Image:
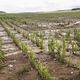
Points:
[(2, 12), (76, 9)]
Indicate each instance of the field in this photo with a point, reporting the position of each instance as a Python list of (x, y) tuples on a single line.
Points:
[(40, 46)]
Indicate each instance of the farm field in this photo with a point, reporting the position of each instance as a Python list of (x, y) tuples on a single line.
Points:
[(40, 46)]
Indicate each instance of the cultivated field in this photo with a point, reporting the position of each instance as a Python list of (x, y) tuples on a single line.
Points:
[(40, 46)]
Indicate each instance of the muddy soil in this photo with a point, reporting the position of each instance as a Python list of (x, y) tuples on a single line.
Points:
[(56, 68), (15, 61)]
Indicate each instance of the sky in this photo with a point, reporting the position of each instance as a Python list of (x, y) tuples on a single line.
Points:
[(12, 6)]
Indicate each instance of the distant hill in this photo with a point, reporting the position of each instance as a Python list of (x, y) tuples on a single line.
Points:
[(2, 12), (76, 9)]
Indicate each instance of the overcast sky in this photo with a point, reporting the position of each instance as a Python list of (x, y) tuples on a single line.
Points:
[(37, 5)]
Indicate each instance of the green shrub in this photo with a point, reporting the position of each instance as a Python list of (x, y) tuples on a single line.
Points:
[(52, 46)]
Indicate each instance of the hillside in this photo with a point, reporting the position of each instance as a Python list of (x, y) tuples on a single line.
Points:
[(2, 12)]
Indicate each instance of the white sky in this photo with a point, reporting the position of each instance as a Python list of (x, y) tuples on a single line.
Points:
[(36, 5)]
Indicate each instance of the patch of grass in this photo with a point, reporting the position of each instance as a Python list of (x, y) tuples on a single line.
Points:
[(1, 52)]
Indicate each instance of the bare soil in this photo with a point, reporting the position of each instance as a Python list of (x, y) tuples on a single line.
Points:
[(15, 62), (57, 69)]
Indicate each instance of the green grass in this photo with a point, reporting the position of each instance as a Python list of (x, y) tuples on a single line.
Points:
[(2, 57)]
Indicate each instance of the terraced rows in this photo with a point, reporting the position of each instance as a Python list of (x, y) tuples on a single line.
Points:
[(14, 61), (57, 69)]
